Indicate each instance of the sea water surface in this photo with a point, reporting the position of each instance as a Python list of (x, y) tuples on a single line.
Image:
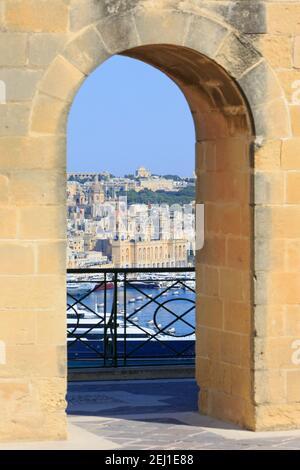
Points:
[(145, 307)]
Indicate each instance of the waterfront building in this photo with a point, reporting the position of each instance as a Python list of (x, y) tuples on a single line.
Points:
[(149, 253)]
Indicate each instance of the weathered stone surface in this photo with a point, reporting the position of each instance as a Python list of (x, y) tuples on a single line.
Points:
[(13, 49), (270, 356), (20, 84), (28, 423), (51, 331), (119, 33), (8, 222), (49, 115), (162, 27), (296, 52), (30, 292), (14, 119), (247, 16), (2, 14), (269, 187), (37, 187), (62, 80), (283, 17), (85, 12), (42, 222), (293, 188), (199, 30), (37, 15), (86, 51), (277, 49), (17, 258), (237, 317), (51, 392), (273, 417), (292, 312), (290, 158), (47, 152), (260, 85), (295, 119), (268, 156), (44, 47), (277, 221), (4, 189), (237, 56), (270, 386), (292, 252), (269, 321), (20, 327), (293, 385), (272, 120), (290, 81), (52, 258), (32, 360), (269, 255)]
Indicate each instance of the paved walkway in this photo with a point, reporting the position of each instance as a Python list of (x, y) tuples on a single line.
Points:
[(151, 414)]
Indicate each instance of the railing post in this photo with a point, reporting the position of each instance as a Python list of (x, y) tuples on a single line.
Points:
[(105, 321), (115, 327), (125, 319)]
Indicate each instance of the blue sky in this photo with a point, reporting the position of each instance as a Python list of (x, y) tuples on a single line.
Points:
[(128, 114)]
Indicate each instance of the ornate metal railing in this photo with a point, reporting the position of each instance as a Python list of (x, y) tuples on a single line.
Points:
[(124, 317)]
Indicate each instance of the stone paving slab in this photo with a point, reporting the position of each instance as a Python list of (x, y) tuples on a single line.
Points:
[(151, 415)]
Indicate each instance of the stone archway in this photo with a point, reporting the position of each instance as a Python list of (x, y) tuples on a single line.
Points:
[(241, 118)]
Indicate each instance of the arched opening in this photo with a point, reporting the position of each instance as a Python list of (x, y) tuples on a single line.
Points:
[(129, 138), (224, 134)]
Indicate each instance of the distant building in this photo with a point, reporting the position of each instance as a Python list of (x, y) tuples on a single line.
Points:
[(149, 254), (96, 192), (76, 244), (156, 184), (142, 172)]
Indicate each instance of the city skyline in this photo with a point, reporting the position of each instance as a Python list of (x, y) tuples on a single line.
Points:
[(132, 172), (152, 226)]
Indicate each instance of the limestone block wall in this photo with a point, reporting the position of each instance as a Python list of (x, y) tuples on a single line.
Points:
[(248, 318)]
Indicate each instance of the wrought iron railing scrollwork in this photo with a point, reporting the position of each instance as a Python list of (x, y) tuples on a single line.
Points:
[(127, 317)]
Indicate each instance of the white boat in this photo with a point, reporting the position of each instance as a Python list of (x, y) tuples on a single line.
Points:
[(95, 326), (77, 312), (131, 301), (87, 338), (171, 330), (79, 288)]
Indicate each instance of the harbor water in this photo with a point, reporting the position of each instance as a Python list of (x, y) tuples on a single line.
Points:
[(145, 307)]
